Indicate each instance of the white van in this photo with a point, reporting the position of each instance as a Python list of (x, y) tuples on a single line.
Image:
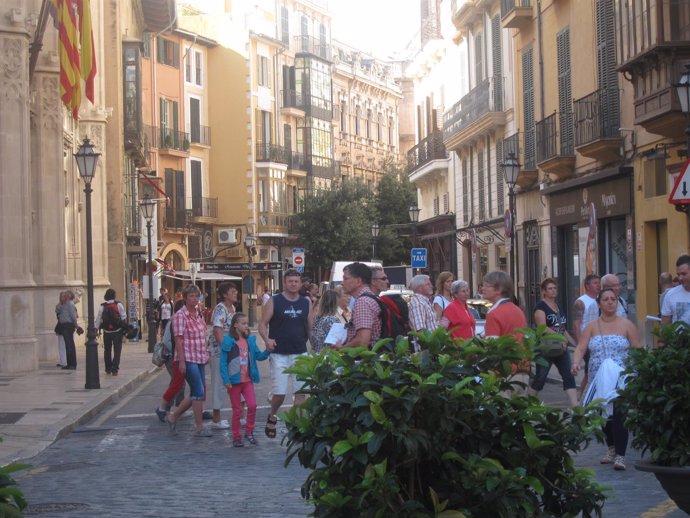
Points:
[(337, 271)]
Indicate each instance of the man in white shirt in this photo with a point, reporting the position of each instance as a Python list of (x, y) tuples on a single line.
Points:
[(676, 306), (422, 314), (583, 303)]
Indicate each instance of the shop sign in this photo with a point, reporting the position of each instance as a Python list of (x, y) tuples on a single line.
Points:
[(604, 199)]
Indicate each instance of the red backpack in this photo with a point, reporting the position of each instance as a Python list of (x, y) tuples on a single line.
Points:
[(110, 319)]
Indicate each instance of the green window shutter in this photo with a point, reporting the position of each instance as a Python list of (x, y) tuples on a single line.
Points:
[(197, 189), (478, 60), (160, 49), (606, 69), (497, 63), (500, 193), (528, 107), (176, 55), (565, 92)]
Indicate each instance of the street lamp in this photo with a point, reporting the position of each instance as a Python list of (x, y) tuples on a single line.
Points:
[(87, 159), (683, 89), (148, 209), (375, 228), (249, 243), (413, 212), (511, 169)]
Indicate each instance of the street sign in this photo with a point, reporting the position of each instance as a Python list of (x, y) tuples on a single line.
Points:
[(298, 259), (680, 194), (239, 267), (418, 258)]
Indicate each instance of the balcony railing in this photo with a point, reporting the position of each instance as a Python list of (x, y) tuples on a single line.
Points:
[(266, 152), (177, 218), (292, 99), (596, 117), (173, 139), (509, 5), (203, 207), (313, 46), (297, 161), (554, 136), (431, 148), (486, 97), (200, 135), (321, 167)]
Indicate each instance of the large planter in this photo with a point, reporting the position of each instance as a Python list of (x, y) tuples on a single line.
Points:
[(675, 481)]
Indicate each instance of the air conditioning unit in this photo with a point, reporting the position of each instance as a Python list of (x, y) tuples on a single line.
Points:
[(227, 236)]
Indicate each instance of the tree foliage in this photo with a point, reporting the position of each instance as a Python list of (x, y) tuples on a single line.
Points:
[(392, 433), (335, 224)]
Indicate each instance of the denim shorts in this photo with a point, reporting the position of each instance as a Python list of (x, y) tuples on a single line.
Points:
[(194, 374)]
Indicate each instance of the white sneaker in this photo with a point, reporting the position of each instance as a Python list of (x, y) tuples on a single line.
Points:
[(221, 425)]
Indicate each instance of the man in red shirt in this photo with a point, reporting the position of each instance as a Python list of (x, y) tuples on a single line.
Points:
[(504, 317)]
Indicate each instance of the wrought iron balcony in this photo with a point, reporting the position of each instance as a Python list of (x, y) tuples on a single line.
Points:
[(313, 46), (512, 145), (555, 149), (516, 13), (297, 161), (200, 135), (173, 139), (178, 218), (597, 123), (267, 152), (203, 207), (431, 148), (479, 111), (292, 99)]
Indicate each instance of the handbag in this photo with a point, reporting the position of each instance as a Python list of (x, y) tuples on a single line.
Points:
[(160, 354), (553, 349), (57, 328)]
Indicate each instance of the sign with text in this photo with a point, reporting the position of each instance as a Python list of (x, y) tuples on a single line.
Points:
[(418, 258), (239, 267)]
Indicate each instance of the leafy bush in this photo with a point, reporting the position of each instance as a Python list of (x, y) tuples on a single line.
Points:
[(390, 433), (657, 397), (12, 500)]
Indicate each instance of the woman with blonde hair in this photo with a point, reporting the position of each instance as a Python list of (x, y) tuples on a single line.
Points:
[(325, 316), (344, 311), (443, 296)]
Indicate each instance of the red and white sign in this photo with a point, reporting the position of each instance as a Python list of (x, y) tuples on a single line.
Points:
[(298, 259), (680, 194)]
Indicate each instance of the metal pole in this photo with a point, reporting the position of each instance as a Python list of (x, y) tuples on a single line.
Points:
[(511, 208), (414, 244), (92, 376), (251, 289), (373, 249), (151, 318)]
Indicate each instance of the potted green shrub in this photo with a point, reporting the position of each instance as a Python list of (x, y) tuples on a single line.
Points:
[(12, 501), (657, 400), (389, 432)]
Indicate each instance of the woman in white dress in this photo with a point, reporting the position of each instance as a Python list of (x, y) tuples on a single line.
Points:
[(608, 337)]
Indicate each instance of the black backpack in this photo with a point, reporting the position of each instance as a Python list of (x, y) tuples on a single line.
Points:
[(110, 319), (394, 315)]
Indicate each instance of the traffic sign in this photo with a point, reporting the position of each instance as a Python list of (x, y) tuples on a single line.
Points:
[(298, 259), (418, 258), (680, 194)]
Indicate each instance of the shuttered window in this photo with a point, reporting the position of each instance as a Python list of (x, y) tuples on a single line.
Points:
[(606, 68), (528, 107), (478, 60), (565, 95), (168, 52), (284, 25), (481, 191), (465, 194), (197, 188), (500, 193), (497, 63)]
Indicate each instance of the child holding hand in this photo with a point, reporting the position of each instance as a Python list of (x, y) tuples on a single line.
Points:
[(239, 371)]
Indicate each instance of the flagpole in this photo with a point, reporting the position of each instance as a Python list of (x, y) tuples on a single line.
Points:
[(37, 44)]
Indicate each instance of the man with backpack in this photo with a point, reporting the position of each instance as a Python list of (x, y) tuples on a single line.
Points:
[(112, 320), (365, 326)]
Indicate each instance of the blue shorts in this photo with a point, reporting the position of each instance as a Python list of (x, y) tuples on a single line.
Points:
[(194, 374)]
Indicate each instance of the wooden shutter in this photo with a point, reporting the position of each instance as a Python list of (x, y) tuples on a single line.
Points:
[(564, 92), (481, 184), (175, 55), (528, 107), (478, 60), (497, 63), (197, 188), (284, 25), (160, 49), (175, 127), (606, 69), (500, 193), (465, 194), (194, 120)]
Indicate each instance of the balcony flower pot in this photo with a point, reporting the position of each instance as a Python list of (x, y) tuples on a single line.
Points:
[(656, 398), (185, 145), (168, 141)]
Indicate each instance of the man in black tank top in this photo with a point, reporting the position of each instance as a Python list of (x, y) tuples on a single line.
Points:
[(284, 327)]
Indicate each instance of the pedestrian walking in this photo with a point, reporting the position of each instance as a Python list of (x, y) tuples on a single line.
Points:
[(222, 315), (676, 303), (66, 313), (458, 317), (547, 312), (285, 326), (239, 372), (364, 328), (609, 337), (443, 297), (189, 330), (583, 315), (175, 391), (111, 319), (165, 307), (325, 316)]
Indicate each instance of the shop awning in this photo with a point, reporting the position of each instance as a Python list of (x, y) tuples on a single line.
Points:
[(202, 276)]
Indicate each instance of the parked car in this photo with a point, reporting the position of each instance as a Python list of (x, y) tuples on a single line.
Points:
[(480, 307)]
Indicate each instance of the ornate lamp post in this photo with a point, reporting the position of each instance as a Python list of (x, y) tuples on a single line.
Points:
[(375, 228), (148, 210), (683, 89), (87, 159), (249, 243), (511, 169)]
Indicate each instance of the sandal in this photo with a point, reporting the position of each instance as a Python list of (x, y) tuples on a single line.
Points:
[(271, 426)]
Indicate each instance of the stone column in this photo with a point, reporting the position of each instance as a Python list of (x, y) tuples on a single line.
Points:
[(17, 339)]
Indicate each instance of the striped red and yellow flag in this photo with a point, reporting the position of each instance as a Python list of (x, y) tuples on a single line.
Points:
[(88, 55), (70, 70)]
